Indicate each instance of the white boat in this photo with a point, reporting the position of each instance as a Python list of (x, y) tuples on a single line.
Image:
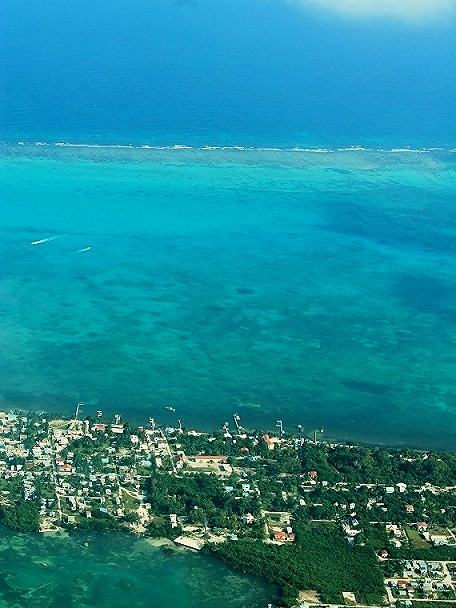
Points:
[(50, 238)]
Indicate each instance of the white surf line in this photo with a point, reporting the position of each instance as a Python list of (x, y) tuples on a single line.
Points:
[(50, 238)]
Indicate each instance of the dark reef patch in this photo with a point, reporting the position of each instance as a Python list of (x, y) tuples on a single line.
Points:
[(427, 294), (364, 386), (245, 291)]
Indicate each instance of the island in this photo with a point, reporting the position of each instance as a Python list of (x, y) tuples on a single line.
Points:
[(330, 523)]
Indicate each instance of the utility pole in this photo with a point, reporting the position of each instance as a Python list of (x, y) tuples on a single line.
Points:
[(280, 427), (315, 434)]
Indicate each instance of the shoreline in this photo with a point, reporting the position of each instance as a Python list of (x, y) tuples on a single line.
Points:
[(158, 543), (205, 428), (77, 492)]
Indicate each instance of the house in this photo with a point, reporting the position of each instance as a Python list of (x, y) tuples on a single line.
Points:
[(281, 536), (269, 443), (65, 468), (421, 526), (393, 529), (422, 567), (438, 540), (219, 530), (203, 458)]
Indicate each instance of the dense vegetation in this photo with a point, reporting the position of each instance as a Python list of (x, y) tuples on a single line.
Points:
[(203, 499), (356, 464), (321, 559), (23, 516)]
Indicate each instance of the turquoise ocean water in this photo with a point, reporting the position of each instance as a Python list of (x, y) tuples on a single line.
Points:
[(312, 287), (116, 571)]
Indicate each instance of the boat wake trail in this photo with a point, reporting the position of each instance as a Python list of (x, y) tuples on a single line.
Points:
[(50, 238)]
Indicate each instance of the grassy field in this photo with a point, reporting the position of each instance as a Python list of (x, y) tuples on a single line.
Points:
[(416, 540), (129, 503)]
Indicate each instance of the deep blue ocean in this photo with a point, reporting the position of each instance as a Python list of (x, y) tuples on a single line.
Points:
[(246, 72)]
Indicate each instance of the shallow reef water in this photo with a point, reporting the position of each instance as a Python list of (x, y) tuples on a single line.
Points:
[(119, 570), (312, 286)]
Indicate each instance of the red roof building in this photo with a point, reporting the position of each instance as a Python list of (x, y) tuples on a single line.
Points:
[(283, 537), (268, 442), (204, 458)]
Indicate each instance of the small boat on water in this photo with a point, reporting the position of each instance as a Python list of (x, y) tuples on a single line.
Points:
[(47, 240), (43, 564), (170, 408)]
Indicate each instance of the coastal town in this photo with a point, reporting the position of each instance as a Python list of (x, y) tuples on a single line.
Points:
[(249, 497)]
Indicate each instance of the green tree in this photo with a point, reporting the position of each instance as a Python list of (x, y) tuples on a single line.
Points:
[(22, 516)]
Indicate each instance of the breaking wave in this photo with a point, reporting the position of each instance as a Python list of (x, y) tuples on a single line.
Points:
[(297, 149)]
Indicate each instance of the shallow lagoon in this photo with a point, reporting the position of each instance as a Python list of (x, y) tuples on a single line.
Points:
[(314, 287), (116, 570)]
